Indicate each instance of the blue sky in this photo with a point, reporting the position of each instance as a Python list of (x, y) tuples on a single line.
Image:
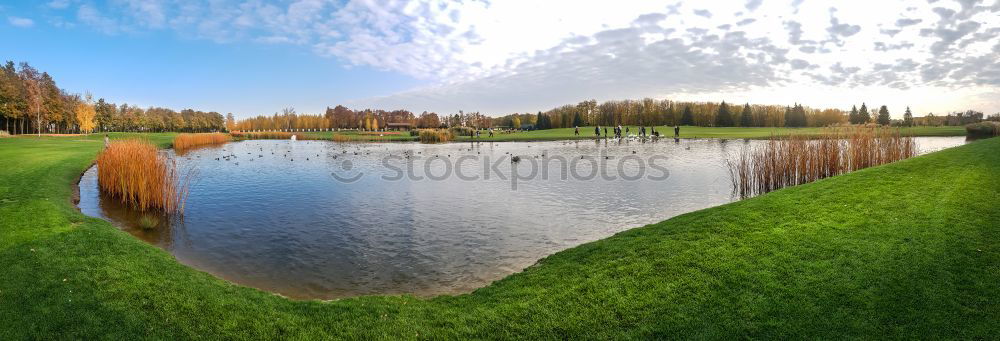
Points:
[(258, 56), (162, 68)]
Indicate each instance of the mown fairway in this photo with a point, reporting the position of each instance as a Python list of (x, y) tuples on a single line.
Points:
[(906, 250)]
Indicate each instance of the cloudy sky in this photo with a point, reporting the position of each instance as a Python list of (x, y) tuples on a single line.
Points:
[(508, 56)]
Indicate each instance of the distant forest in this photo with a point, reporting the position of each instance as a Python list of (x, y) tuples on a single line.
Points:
[(31, 102)]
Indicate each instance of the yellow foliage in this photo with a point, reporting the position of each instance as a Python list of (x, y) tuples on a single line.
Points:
[(85, 114)]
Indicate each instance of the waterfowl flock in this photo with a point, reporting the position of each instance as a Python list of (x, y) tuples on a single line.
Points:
[(289, 152)]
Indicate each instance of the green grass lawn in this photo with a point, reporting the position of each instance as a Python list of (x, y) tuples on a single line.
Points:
[(700, 132), (907, 250)]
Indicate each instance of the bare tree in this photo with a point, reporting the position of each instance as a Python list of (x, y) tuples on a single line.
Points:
[(287, 113)]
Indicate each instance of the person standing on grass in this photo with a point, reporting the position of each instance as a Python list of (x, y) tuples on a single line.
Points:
[(597, 131), (576, 130), (107, 141), (677, 131)]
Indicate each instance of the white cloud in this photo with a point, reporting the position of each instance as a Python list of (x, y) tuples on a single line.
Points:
[(91, 16), (58, 4), (529, 55), (797, 59), (20, 22)]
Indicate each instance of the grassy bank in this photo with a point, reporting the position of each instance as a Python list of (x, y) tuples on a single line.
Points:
[(699, 132), (361, 136), (588, 133), (906, 250)]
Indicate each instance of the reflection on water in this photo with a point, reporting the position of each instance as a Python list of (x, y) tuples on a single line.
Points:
[(272, 214)]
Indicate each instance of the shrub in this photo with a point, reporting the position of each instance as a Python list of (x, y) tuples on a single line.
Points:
[(461, 131), (986, 128), (184, 142), (134, 172), (4, 133), (435, 135)]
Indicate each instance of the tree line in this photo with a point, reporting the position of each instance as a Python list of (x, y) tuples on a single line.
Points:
[(625, 112), (31, 102), (341, 117)]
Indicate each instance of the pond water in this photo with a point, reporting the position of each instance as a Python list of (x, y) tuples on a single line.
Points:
[(323, 220)]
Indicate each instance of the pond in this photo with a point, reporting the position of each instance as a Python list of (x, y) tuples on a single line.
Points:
[(325, 220)]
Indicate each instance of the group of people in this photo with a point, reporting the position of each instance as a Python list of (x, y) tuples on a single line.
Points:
[(619, 133), (478, 133)]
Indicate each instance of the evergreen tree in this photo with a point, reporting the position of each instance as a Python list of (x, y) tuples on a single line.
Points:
[(800, 116), (863, 116), (723, 118), (853, 118), (577, 120), (543, 121), (687, 118), (668, 116), (795, 116), (746, 118), (789, 117), (883, 116), (908, 118)]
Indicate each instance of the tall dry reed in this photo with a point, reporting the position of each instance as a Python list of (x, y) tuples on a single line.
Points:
[(134, 172), (797, 159), (185, 142)]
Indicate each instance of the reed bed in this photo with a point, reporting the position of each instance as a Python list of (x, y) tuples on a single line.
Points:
[(185, 142), (798, 159), (435, 135), (136, 173)]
